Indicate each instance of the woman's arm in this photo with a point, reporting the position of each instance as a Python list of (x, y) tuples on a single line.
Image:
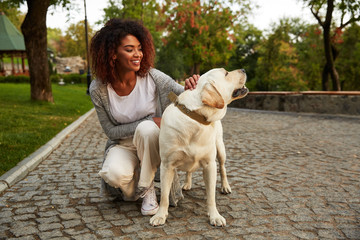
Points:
[(112, 131)]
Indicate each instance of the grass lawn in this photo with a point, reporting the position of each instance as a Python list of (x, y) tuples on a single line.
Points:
[(26, 125)]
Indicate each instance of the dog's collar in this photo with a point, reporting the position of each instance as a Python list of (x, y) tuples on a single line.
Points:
[(197, 117)]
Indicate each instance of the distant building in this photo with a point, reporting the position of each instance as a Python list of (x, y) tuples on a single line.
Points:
[(70, 65), (12, 45)]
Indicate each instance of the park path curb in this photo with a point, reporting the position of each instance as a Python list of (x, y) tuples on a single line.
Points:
[(33, 160)]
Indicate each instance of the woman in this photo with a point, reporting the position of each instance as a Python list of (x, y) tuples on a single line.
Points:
[(128, 95)]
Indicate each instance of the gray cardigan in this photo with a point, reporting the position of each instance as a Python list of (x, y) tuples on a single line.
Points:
[(116, 131)]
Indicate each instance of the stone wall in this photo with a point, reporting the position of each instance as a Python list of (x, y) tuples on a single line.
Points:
[(314, 102)]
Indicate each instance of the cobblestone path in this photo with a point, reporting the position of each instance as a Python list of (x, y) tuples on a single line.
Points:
[(293, 176)]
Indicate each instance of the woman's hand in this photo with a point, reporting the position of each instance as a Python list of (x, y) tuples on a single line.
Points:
[(191, 82), (157, 120)]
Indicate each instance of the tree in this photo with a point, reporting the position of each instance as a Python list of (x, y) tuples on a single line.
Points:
[(35, 33), (74, 40), (248, 39), (278, 59), (349, 59), (324, 11), (203, 30), (311, 59), (55, 40)]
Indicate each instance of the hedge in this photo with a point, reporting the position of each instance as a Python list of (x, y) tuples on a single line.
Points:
[(14, 79), (67, 78)]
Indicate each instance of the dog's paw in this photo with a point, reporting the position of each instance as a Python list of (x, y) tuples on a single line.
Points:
[(218, 221), (157, 220), (186, 186), (226, 189)]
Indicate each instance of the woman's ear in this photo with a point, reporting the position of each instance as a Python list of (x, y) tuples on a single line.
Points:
[(112, 62)]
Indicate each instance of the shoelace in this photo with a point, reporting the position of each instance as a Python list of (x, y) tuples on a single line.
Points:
[(152, 196)]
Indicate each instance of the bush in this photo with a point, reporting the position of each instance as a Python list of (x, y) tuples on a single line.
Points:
[(67, 78), (15, 79), (55, 78)]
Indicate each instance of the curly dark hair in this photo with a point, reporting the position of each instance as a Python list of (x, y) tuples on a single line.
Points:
[(106, 41)]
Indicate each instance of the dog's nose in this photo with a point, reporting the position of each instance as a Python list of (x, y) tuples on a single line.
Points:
[(243, 70), (244, 90)]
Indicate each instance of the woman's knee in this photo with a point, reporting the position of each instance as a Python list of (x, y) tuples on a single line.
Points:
[(119, 168), (117, 178), (147, 129)]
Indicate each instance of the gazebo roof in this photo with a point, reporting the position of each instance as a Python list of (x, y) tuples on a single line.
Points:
[(10, 38)]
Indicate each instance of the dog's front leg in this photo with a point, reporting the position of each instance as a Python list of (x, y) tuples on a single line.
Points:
[(209, 173), (188, 181), (221, 155), (166, 179)]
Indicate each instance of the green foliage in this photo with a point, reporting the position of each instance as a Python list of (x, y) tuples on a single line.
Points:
[(311, 57), (75, 43), (202, 31), (55, 78), (246, 54), (56, 41), (69, 78), (173, 61), (14, 79), (27, 125), (348, 63), (277, 70), (333, 16)]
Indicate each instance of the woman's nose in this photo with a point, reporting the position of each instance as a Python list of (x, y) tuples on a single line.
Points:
[(138, 53)]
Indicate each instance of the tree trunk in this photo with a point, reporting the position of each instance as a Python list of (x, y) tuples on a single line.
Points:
[(35, 36), (330, 60), (325, 78), (195, 69)]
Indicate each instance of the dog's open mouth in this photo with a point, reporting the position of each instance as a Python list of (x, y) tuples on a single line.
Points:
[(240, 92)]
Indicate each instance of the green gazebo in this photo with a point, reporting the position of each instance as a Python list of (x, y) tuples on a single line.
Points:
[(11, 44)]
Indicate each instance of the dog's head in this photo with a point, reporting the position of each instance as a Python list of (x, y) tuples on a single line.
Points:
[(220, 87)]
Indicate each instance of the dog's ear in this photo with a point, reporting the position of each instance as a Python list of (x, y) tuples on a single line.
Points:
[(210, 96)]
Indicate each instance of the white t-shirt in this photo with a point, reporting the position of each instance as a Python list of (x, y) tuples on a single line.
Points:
[(141, 102)]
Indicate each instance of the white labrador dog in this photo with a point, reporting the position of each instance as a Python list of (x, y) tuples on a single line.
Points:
[(191, 137)]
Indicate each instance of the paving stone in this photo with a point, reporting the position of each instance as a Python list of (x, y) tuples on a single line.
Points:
[(71, 223), (47, 226), (51, 234), (304, 235), (23, 231), (292, 175), (352, 233), (105, 233), (69, 216)]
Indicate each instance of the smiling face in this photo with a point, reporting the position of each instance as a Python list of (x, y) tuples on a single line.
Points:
[(129, 54)]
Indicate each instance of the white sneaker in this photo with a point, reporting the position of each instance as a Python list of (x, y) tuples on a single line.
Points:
[(149, 204)]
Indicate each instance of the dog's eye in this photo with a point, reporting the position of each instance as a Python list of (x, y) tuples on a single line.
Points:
[(226, 73)]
